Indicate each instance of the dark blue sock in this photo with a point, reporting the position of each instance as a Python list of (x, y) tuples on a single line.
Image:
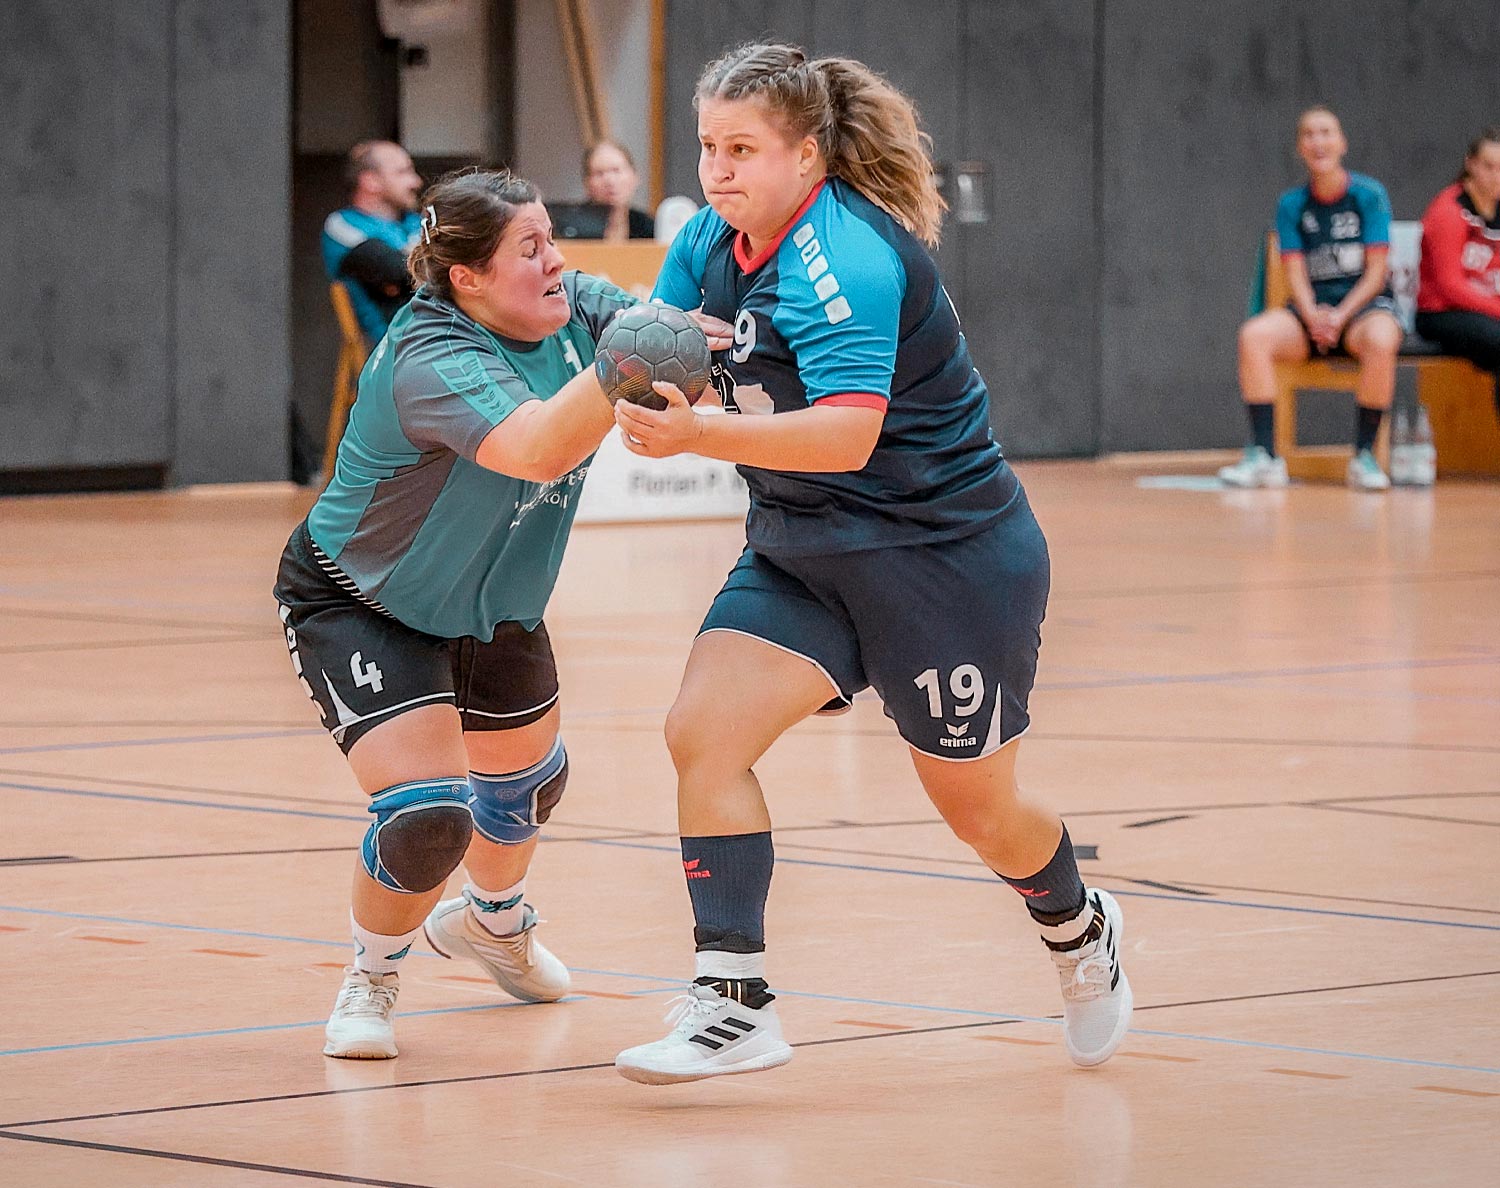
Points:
[(1263, 426), (1055, 893), (728, 879), (1367, 427)]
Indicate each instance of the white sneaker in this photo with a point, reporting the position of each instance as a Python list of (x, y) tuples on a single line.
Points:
[(1096, 993), (1256, 468), (518, 963), (360, 1027), (713, 1036), (1364, 473)]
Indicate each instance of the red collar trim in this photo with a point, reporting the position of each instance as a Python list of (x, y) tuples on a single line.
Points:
[(749, 263)]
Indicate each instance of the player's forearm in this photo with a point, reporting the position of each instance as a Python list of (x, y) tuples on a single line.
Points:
[(1369, 286), (544, 439), (813, 440), (1300, 287)]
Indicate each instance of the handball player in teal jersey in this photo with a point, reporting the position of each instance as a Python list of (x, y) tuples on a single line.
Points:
[(413, 595)]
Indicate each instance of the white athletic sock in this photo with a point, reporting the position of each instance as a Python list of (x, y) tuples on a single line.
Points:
[(376, 953), (498, 912), (1070, 930), (712, 963)]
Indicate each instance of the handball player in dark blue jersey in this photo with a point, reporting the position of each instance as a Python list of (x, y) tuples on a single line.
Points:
[(1334, 236), (888, 542)]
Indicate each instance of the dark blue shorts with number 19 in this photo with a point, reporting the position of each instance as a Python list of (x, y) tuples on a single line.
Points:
[(947, 633)]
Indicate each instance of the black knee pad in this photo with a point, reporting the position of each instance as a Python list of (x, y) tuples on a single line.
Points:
[(550, 793), (420, 834)]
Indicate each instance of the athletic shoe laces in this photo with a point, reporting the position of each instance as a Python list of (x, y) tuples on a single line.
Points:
[(687, 1011), (364, 997), (1090, 974)]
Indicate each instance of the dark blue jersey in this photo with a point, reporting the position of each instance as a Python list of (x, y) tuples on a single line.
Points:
[(846, 307), (1332, 236)]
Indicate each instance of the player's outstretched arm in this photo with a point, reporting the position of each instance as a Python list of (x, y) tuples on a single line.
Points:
[(821, 439), (544, 439)]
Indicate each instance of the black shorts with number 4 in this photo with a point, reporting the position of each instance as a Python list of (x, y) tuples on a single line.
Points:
[(362, 667)]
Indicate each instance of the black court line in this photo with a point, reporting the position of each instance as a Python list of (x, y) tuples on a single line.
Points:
[(39, 860), (1335, 743), (1157, 821), (166, 641), (209, 1160), (572, 1068), (1163, 1006), (1357, 744), (1359, 810), (72, 860), (1406, 903)]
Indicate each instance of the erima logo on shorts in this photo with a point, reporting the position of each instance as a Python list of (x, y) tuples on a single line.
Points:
[(958, 737), (824, 283)]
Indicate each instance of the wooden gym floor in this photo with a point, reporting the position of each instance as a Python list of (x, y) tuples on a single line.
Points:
[(1269, 717)]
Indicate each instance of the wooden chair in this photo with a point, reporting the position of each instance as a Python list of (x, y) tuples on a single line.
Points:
[(1457, 395), (352, 353)]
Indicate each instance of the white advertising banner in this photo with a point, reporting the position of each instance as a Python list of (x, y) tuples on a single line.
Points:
[(623, 486)]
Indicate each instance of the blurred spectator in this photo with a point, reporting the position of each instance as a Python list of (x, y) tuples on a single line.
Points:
[(609, 183), (366, 243), (1458, 301), (1334, 234)]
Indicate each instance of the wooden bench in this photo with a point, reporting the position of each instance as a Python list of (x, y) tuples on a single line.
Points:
[(1458, 396)]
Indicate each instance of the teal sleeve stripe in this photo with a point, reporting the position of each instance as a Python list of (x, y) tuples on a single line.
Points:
[(680, 281), (1288, 211)]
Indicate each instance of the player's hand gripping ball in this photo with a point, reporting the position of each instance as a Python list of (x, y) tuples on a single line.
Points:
[(646, 343)]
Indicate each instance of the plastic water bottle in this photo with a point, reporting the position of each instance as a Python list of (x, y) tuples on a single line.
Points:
[(1403, 450), (1424, 453)]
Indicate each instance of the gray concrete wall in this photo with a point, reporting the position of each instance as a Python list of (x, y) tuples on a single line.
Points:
[(144, 180), (1197, 122), (1137, 148)]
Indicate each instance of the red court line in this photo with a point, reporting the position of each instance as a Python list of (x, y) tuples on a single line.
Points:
[(1458, 1092)]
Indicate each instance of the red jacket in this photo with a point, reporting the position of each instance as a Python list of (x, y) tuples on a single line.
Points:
[(1460, 257)]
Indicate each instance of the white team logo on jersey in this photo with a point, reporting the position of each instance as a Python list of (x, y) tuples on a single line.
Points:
[(825, 284)]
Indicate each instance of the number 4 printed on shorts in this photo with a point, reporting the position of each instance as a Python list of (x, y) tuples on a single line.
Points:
[(368, 677)]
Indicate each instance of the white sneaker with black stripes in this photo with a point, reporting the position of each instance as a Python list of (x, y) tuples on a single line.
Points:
[(1096, 993), (712, 1036)]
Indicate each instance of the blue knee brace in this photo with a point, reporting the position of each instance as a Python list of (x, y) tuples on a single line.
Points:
[(420, 834), (509, 809)]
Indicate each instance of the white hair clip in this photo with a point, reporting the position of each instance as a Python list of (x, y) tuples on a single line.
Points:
[(429, 223)]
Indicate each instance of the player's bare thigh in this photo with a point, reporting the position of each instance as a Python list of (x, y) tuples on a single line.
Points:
[(1275, 334), (1374, 332)]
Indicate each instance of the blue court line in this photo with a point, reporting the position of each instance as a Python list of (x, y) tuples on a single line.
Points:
[(991, 881), (184, 1035), (674, 983), (1250, 674), (232, 808), (159, 742)]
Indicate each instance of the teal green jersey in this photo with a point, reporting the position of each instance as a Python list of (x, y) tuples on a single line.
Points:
[(425, 532)]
